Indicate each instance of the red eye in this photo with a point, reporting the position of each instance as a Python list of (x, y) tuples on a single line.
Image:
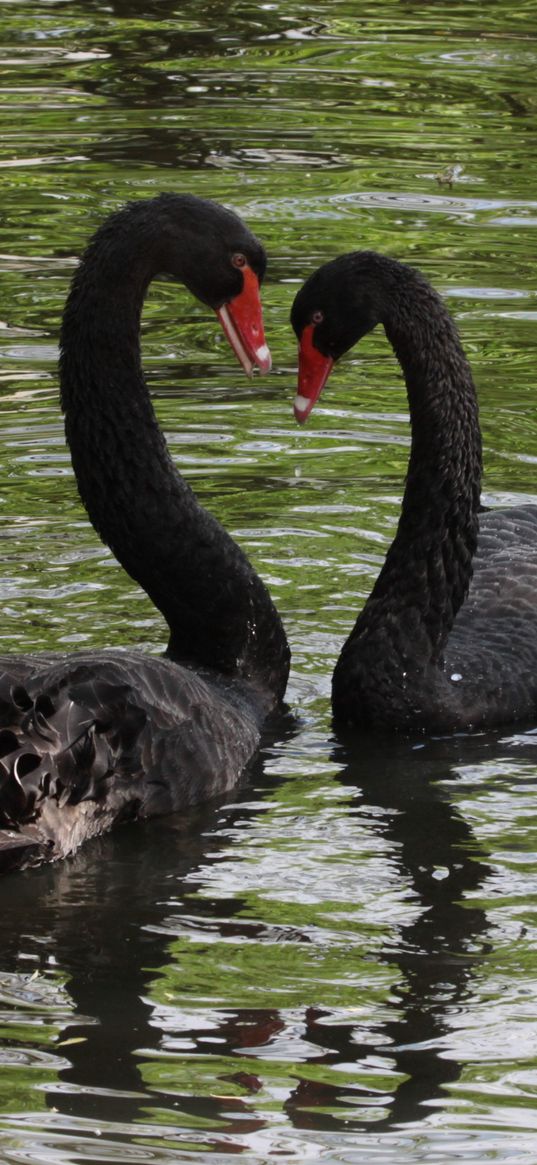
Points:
[(317, 317), (239, 260)]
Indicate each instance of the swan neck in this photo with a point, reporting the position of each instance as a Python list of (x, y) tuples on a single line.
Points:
[(428, 568), (219, 613)]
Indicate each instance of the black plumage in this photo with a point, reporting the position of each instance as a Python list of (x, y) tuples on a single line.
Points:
[(93, 738), (447, 640)]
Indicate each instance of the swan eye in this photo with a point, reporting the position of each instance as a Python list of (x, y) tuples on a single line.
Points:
[(317, 317), (238, 260)]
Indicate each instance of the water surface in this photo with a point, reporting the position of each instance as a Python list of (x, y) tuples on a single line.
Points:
[(338, 964)]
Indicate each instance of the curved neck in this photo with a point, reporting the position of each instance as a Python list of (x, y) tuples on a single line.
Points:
[(428, 568), (219, 613)]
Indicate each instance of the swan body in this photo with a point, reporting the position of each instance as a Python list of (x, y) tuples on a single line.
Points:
[(447, 640), (93, 738)]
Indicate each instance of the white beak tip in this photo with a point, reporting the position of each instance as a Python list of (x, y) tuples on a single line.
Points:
[(302, 407), (263, 358)]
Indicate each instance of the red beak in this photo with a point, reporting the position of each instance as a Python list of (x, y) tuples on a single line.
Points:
[(313, 372), (242, 321)]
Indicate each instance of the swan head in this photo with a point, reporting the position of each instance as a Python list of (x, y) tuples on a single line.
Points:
[(336, 306), (222, 263)]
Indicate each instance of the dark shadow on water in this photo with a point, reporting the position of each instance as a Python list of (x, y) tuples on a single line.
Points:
[(98, 916), (400, 790), (103, 917)]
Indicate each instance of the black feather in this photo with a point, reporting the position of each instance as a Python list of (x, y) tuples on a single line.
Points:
[(447, 640), (89, 740)]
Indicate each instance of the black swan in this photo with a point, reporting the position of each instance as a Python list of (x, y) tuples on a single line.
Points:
[(447, 640), (93, 738)]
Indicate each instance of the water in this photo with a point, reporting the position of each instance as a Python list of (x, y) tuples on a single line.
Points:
[(339, 964)]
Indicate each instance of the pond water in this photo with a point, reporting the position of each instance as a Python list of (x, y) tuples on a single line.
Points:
[(340, 963)]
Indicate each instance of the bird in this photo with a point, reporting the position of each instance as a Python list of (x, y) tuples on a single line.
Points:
[(93, 738), (447, 640)]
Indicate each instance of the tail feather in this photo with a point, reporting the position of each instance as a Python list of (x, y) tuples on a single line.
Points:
[(57, 752), (90, 740)]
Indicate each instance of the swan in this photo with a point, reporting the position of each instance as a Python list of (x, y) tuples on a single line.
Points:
[(96, 737), (447, 640)]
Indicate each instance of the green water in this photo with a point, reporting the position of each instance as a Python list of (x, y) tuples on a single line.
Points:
[(339, 965)]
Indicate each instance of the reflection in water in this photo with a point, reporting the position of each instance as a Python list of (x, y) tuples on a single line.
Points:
[(433, 849), (96, 916), (105, 918)]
